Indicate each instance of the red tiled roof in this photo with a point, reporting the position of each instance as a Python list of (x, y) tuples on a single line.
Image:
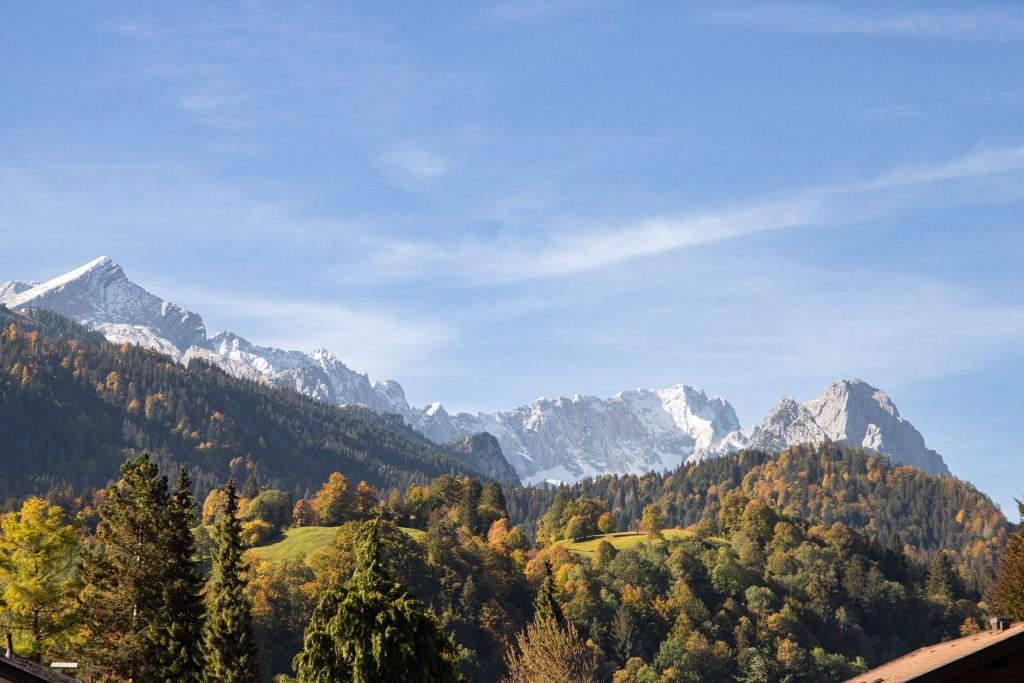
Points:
[(933, 657)]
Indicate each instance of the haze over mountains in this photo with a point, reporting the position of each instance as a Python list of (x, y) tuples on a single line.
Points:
[(563, 438)]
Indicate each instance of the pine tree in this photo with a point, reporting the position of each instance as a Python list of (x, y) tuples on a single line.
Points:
[(546, 605), (493, 497), (229, 645), (469, 513), (1008, 589), (250, 489), (940, 582), (177, 640), (125, 573), (372, 630)]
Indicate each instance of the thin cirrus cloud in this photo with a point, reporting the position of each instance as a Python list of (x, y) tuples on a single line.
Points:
[(974, 23), (206, 101), (887, 112), (513, 257), (410, 161)]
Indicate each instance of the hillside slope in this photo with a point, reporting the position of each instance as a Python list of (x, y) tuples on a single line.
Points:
[(827, 483), (72, 405)]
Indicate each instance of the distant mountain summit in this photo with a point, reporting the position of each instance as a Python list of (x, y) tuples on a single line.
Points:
[(848, 412), (100, 296), (562, 439)]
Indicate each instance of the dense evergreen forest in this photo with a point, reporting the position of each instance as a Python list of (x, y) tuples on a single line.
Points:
[(73, 406), (824, 484)]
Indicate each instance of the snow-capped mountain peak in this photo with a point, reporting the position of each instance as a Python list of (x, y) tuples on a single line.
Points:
[(100, 296)]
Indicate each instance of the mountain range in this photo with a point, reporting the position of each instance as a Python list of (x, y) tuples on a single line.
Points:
[(557, 439)]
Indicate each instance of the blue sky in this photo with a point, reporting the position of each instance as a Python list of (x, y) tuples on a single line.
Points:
[(495, 202)]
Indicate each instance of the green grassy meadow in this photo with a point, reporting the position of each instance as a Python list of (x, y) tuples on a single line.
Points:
[(300, 543), (621, 541)]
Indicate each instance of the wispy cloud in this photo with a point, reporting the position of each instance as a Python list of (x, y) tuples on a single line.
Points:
[(973, 23), (246, 65), (887, 112), (205, 101), (512, 257), (413, 162)]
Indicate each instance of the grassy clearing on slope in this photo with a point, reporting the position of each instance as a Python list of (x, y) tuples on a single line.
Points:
[(621, 541), (300, 543)]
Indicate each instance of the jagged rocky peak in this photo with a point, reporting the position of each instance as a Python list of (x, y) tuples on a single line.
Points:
[(707, 419), (850, 412), (482, 451), (14, 287), (568, 438), (100, 296)]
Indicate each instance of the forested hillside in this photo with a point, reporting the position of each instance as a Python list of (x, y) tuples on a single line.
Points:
[(72, 405), (748, 594), (825, 484)]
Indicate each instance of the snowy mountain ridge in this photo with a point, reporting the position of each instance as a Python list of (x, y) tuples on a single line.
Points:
[(564, 438)]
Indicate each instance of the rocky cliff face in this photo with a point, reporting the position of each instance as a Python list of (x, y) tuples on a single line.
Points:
[(483, 452), (850, 412)]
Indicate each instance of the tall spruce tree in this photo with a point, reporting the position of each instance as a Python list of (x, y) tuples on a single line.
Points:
[(372, 630), (229, 645), (1008, 587), (124, 574), (177, 639), (546, 605)]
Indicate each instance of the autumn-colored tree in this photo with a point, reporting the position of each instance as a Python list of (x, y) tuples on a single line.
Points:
[(283, 596), (366, 497), (333, 503), (303, 514), (214, 505), (516, 540), (37, 578), (497, 534), (576, 528), (652, 522), (547, 652), (606, 523), (257, 532)]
